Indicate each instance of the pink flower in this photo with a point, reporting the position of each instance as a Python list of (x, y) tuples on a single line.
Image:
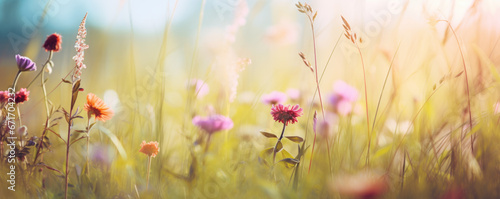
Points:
[(286, 114), (294, 94), (274, 97), (343, 97), (4, 96), (80, 47), (198, 86), (22, 96), (213, 123)]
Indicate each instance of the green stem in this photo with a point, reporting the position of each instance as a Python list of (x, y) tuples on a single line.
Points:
[(208, 142), (15, 80), (47, 122), (282, 131), (20, 124), (279, 140), (67, 146), (467, 87), (317, 86), (149, 169), (43, 87), (366, 105), (88, 140)]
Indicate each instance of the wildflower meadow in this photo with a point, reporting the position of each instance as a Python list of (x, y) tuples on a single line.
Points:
[(250, 99)]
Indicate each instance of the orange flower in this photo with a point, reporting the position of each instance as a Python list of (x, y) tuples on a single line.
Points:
[(96, 106), (150, 148)]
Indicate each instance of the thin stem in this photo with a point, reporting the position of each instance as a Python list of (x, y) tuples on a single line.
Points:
[(208, 142), (366, 106), (282, 131), (315, 91), (43, 85), (47, 122), (20, 124), (403, 170), (383, 87), (316, 69), (329, 156), (149, 169), (19, 116), (15, 80), (317, 86), (279, 140), (466, 84), (40, 144), (67, 148), (88, 140)]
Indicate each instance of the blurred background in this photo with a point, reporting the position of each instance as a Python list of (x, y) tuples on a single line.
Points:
[(135, 45), (143, 53)]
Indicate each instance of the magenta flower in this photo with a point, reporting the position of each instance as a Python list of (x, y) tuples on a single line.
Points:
[(343, 97), (22, 96), (199, 87), (286, 114), (25, 63), (4, 96), (53, 42), (213, 123), (274, 97)]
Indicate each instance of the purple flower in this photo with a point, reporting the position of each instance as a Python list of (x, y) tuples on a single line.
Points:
[(343, 97), (213, 123), (25, 63), (199, 87), (102, 154), (274, 98)]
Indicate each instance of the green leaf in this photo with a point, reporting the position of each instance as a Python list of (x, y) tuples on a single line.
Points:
[(286, 154), (382, 151), (50, 168), (278, 147), (76, 88), (115, 141), (267, 151), (90, 126), (296, 139), (66, 114), (57, 134), (301, 152), (268, 135), (66, 81), (78, 116), (77, 139), (289, 161)]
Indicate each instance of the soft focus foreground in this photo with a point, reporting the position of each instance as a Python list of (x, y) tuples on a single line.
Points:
[(251, 99)]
